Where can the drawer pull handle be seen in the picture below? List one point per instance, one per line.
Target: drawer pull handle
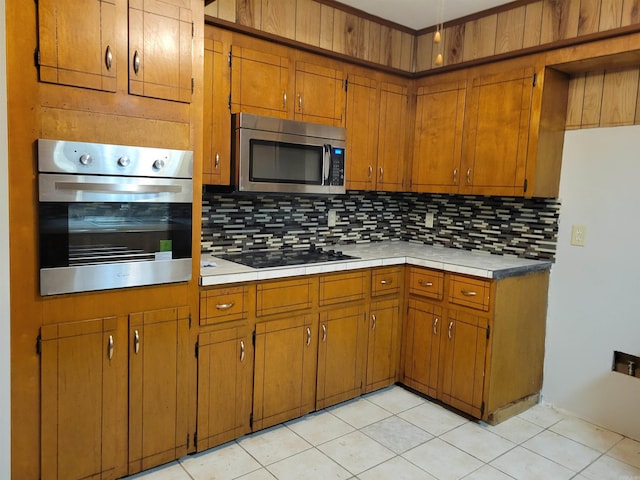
(455, 176)
(469, 176)
(284, 99)
(108, 58)
(225, 306)
(449, 330)
(373, 326)
(386, 282)
(435, 326)
(308, 336)
(425, 284)
(136, 342)
(300, 102)
(370, 171)
(381, 173)
(242, 350)
(324, 333)
(468, 293)
(217, 163)
(110, 347)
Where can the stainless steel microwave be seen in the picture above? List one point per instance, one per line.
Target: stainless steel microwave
(286, 156)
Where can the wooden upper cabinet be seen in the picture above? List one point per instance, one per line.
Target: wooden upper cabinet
(160, 49)
(159, 359)
(260, 83)
(83, 400)
(77, 43)
(392, 137)
(216, 167)
(362, 129)
(320, 94)
(438, 138)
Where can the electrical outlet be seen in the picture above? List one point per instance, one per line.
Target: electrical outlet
(428, 220)
(332, 217)
(578, 232)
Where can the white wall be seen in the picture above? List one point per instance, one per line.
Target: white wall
(5, 358)
(594, 297)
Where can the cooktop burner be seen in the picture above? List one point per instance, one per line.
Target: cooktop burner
(285, 257)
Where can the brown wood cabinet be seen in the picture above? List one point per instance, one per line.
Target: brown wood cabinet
(320, 94)
(225, 377)
(473, 343)
(285, 369)
(393, 135)
(83, 399)
(216, 160)
(160, 355)
(161, 68)
(260, 83)
(362, 128)
(77, 44)
(514, 133)
(438, 137)
(383, 349)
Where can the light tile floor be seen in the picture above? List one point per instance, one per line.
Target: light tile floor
(394, 434)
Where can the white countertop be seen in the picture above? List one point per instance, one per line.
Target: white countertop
(215, 271)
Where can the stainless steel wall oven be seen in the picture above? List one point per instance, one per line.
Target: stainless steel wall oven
(112, 216)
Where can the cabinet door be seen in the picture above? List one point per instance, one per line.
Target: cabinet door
(259, 83)
(216, 163)
(319, 94)
(285, 370)
(382, 353)
(496, 134)
(225, 373)
(160, 45)
(362, 128)
(77, 43)
(423, 326)
(463, 355)
(392, 135)
(438, 138)
(341, 355)
(159, 357)
(83, 400)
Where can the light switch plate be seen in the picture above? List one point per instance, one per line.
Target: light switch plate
(428, 220)
(332, 217)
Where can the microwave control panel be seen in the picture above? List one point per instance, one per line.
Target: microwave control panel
(337, 166)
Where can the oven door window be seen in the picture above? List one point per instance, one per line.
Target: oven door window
(279, 162)
(87, 233)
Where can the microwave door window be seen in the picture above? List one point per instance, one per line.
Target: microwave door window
(278, 162)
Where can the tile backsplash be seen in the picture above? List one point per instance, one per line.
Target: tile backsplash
(525, 228)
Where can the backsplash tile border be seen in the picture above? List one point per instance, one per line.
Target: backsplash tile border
(525, 228)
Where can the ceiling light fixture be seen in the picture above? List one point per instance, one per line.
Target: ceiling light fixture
(437, 36)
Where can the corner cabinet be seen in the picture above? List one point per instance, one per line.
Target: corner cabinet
(514, 133)
(476, 344)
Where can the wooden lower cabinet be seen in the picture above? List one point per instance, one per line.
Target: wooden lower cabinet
(382, 352)
(160, 354)
(423, 327)
(225, 376)
(83, 399)
(463, 353)
(285, 369)
(342, 346)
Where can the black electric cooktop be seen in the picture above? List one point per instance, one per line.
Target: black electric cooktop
(285, 257)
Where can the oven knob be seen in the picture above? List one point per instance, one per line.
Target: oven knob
(86, 159)
(124, 161)
(158, 164)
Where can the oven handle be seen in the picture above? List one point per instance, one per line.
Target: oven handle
(326, 164)
(117, 188)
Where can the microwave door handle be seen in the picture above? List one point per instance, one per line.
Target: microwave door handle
(326, 165)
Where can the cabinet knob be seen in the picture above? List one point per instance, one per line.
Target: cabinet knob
(86, 159)
(158, 164)
(124, 161)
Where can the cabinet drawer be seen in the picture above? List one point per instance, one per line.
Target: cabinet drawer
(223, 305)
(470, 292)
(385, 281)
(426, 283)
(284, 296)
(342, 287)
